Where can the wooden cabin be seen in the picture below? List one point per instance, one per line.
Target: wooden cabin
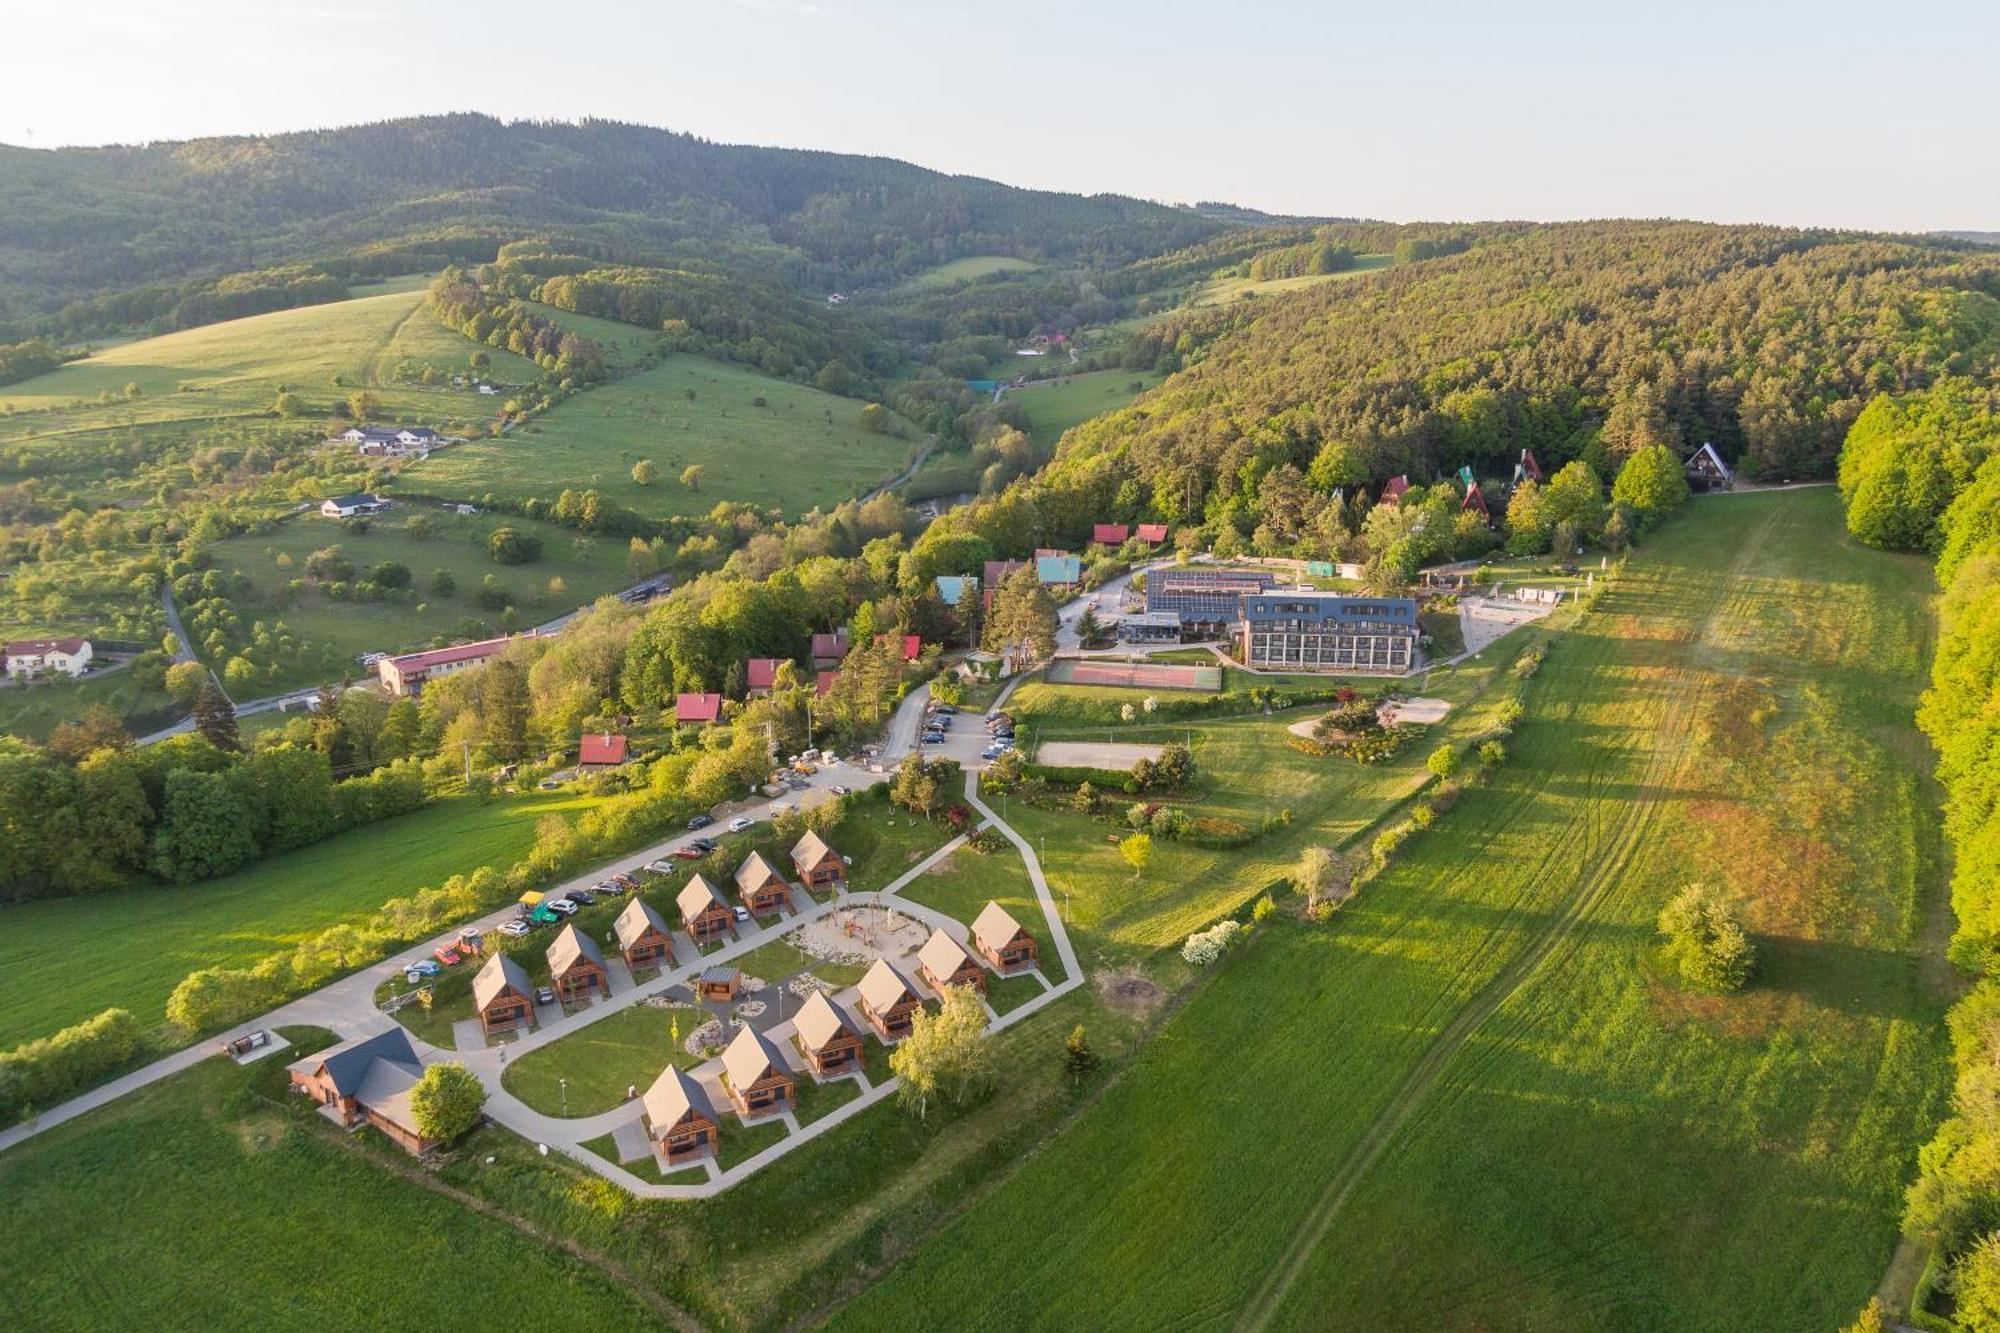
(680, 1119)
(718, 985)
(1001, 941)
(367, 1081)
(943, 961)
(643, 936)
(576, 966)
(502, 996)
(703, 910)
(888, 1000)
(817, 865)
(1707, 472)
(762, 889)
(759, 1081)
(827, 1037)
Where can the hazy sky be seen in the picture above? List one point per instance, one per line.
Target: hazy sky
(1806, 111)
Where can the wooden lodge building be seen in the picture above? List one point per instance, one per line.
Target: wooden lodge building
(1001, 941)
(643, 936)
(817, 865)
(760, 886)
(679, 1118)
(718, 984)
(703, 910)
(888, 1000)
(367, 1081)
(827, 1037)
(759, 1081)
(502, 996)
(576, 966)
(943, 961)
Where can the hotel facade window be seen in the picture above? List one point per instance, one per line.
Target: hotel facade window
(1329, 632)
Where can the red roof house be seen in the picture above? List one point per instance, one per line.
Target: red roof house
(829, 647)
(1395, 488)
(994, 574)
(1475, 501)
(913, 645)
(697, 709)
(1109, 534)
(823, 683)
(760, 675)
(604, 751)
(1152, 533)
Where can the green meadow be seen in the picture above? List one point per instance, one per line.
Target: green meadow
(1220, 291)
(968, 269)
(1053, 406)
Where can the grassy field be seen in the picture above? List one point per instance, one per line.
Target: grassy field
(962, 885)
(1053, 406)
(1217, 291)
(969, 268)
(128, 1198)
(1471, 1102)
(36, 710)
(588, 567)
(626, 342)
(627, 1049)
(63, 960)
(802, 448)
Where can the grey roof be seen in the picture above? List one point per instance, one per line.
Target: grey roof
(884, 986)
(721, 972)
(385, 1090)
(499, 973)
(347, 1064)
(994, 927)
(571, 945)
(820, 1020)
(750, 1057)
(672, 1096)
(696, 896)
(942, 954)
(755, 873)
(636, 920)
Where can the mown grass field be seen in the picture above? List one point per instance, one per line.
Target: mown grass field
(195, 1204)
(967, 269)
(627, 1049)
(63, 960)
(1471, 1102)
(1054, 406)
(1218, 291)
(802, 448)
(35, 711)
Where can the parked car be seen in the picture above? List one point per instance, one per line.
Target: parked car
(704, 845)
(470, 940)
(447, 954)
(742, 913)
(561, 906)
(544, 995)
(949, 710)
(545, 914)
(661, 867)
(423, 967)
(581, 897)
(516, 928)
(741, 822)
(929, 739)
(547, 784)
(688, 853)
(625, 881)
(838, 790)
(700, 821)
(941, 723)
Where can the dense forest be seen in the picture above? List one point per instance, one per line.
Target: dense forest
(76, 224)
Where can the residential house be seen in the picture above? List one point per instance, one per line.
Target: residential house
(679, 1118)
(1296, 630)
(828, 649)
(888, 1000)
(718, 984)
(943, 961)
(1060, 572)
(995, 573)
(912, 645)
(760, 676)
(348, 506)
(703, 910)
(1527, 469)
(576, 966)
(406, 675)
(755, 1073)
(1153, 534)
(367, 1081)
(38, 657)
(760, 886)
(953, 588)
(1109, 534)
(1474, 502)
(392, 441)
(606, 750)
(817, 865)
(1707, 472)
(502, 996)
(824, 682)
(1001, 941)
(1395, 488)
(827, 1037)
(697, 710)
(643, 936)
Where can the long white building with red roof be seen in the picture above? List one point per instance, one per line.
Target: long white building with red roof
(407, 674)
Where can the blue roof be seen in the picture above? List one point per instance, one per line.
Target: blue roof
(1330, 608)
(1059, 568)
(953, 587)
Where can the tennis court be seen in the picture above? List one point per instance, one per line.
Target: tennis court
(1135, 675)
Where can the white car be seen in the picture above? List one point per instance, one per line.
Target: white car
(741, 822)
(563, 906)
(515, 928)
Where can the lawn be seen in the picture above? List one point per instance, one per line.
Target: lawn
(1217, 291)
(1053, 406)
(625, 1049)
(740, 1142)
(801, 449)
(63, 960)
(36, 710)
(780, 960)
(816, 1100)
(962, 885)
(125, 1203)
(1475, 1103)
(967, 269)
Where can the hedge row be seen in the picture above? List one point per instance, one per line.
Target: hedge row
(49, 1069)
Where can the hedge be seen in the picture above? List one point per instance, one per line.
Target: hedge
(49, 1069)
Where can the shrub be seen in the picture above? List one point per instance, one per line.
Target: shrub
(49, 1069)
(1205, 946)
(1705, 942)
(1264, 910)
(1443, 761)
(1492, 754)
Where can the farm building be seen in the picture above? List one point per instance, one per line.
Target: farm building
(643, 936)
(406, 675)
(952, 588)
(1001, 941)
(576, 966)
(829, 648)
(827, 1036)
(759, 1081)
(888, 1000)
(502, 996)
(943, 961)
(703, 910)
(760, 675)
(1109, 534)
(1207, 601)
(760, 886)
(39, 657)
(367, 1081)
(816, 864)
(697, 710)
(1707, 472)
(1323, 631)
(679, 1118)
(718, 984)
(604, 750)
(349, 506)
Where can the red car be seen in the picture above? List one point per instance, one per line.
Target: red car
(686, 854)
(446, 954)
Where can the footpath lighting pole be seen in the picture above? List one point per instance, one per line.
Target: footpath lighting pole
(564, 1084)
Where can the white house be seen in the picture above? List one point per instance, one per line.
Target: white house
(347, 506)
(391, 441)
(38, 657)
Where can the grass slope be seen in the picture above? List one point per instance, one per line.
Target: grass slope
(803, 448)
(1053, 406)
(1219, 291)
(1471, 1103)
(956, 271)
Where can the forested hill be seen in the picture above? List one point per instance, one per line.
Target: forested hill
(1561, 338)
(78, 223)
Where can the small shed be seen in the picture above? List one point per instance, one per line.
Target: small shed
(817, 865)
(888, 1000)
(576, 966)
(718, 984)
(679, 1117)
(703, 910)
(643, 936)
(943, 961)
(502, 996)
(760, 886)
(754, 1071)
(827, 1037)
(1001, 941)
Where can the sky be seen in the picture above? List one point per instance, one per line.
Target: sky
(1822, 113)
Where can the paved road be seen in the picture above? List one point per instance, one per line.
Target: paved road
(182, 653)
(930, 443)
